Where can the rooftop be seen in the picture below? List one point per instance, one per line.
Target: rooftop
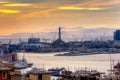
(38, 71)
(3, 66)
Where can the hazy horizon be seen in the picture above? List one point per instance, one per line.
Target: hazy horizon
(64, 29)
(76, 34)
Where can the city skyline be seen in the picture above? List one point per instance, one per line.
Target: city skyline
(42, 15)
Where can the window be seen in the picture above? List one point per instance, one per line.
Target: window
(4, 75)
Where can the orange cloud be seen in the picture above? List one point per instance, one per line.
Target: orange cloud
(17, 4)
(30, 15)
(96, 3)
(110, 3)
(78, 8)
(9, 11)
(4, 2)
(44, 13)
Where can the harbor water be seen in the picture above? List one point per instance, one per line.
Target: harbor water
(100, 62)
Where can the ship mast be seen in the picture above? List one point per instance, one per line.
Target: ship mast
(110, 64)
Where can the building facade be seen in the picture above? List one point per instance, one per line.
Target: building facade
(117, 35)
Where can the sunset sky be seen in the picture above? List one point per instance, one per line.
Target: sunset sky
(43, 15)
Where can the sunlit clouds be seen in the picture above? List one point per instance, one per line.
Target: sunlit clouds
(79, 8)
(2, 2)
(17, 4)
(10, 8)
(9, 11)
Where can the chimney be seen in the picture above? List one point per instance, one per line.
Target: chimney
(59, 34)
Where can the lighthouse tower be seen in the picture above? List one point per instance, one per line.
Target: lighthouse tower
(59, 33)
(58, 42)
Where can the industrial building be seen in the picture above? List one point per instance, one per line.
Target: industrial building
(117, 35)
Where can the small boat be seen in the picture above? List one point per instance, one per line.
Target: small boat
(35, 71)
(117, 66)
(22, 64)
(55, 71)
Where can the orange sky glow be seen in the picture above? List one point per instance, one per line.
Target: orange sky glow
(41, 15)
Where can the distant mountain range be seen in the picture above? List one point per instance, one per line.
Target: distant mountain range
(79, 34)
(75, 34)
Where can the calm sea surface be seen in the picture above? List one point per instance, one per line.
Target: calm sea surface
(99, 62)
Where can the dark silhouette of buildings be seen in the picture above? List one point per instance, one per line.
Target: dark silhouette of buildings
(117, 35)
(34, 40)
